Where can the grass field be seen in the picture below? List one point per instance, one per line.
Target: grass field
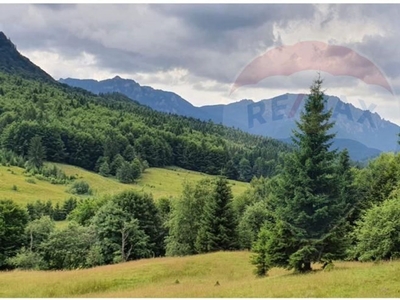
(197, 276)
(159, 182)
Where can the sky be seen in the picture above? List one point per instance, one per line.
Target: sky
(198, 51)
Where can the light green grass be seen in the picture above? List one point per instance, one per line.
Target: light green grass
(159, 182)
(28, 192)
(197, 276)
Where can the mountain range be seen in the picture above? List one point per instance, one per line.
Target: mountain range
(363, 133)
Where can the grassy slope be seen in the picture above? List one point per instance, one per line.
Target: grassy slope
(197, 276)
(159, 182)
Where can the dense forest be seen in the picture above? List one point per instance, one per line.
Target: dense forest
(82, 129)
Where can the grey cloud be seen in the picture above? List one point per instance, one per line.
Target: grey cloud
(221, 17)
(212, 41)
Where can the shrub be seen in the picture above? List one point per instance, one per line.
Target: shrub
(81, 188)
(30, 180)
(26, 260)
(377, 233)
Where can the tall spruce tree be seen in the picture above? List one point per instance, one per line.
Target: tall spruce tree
(218, 225)
(307, 201)
(36, 152)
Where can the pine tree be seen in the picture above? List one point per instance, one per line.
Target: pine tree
(104, 169)
(260, 258)
(245, 171)
(36, 152)
(309, 210)
(218, 226)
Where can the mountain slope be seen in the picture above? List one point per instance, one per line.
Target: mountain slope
(12, 62)
(156, 99)
(276, 118)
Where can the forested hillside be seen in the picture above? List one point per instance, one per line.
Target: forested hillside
(86, 130)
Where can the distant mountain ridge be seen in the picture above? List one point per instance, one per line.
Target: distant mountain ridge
(365, 134)
(159, 100)
(276, 118)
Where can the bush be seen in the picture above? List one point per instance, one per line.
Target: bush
(80, 188)
(9, 158)
(26, 260)
(30, 180)
(377, 233)
(54, 175)
(128, 173)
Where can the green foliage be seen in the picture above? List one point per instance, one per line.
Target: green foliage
(104, 169)
(38, 231)
(80, 188)
(30, 180)
(260, 258)
(141, 206)
(36, 153)
(129, 172)
(377, 233)
(13, 220)
(164, 207)
(39, 209)
(53, 174)
(69, 205)
(218, 223)
(310, 209)
(245, 172)
(251, 223)
(68, 248)
(185, 218)
(378, 180)
(10, 158)
(27, 260)
(116, 164)
(119, 234)
(129, 153)
(86, 209)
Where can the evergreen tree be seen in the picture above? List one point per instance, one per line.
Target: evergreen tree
(116, 164)
(309, 211)
(36, 152)
(245, 171)
(260, 257)
(104, 169)
(218, 226)
(129, 153)
(230, 170)
(13, 220)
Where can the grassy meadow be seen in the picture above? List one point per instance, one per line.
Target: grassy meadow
(197, 276)
(159, 182)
